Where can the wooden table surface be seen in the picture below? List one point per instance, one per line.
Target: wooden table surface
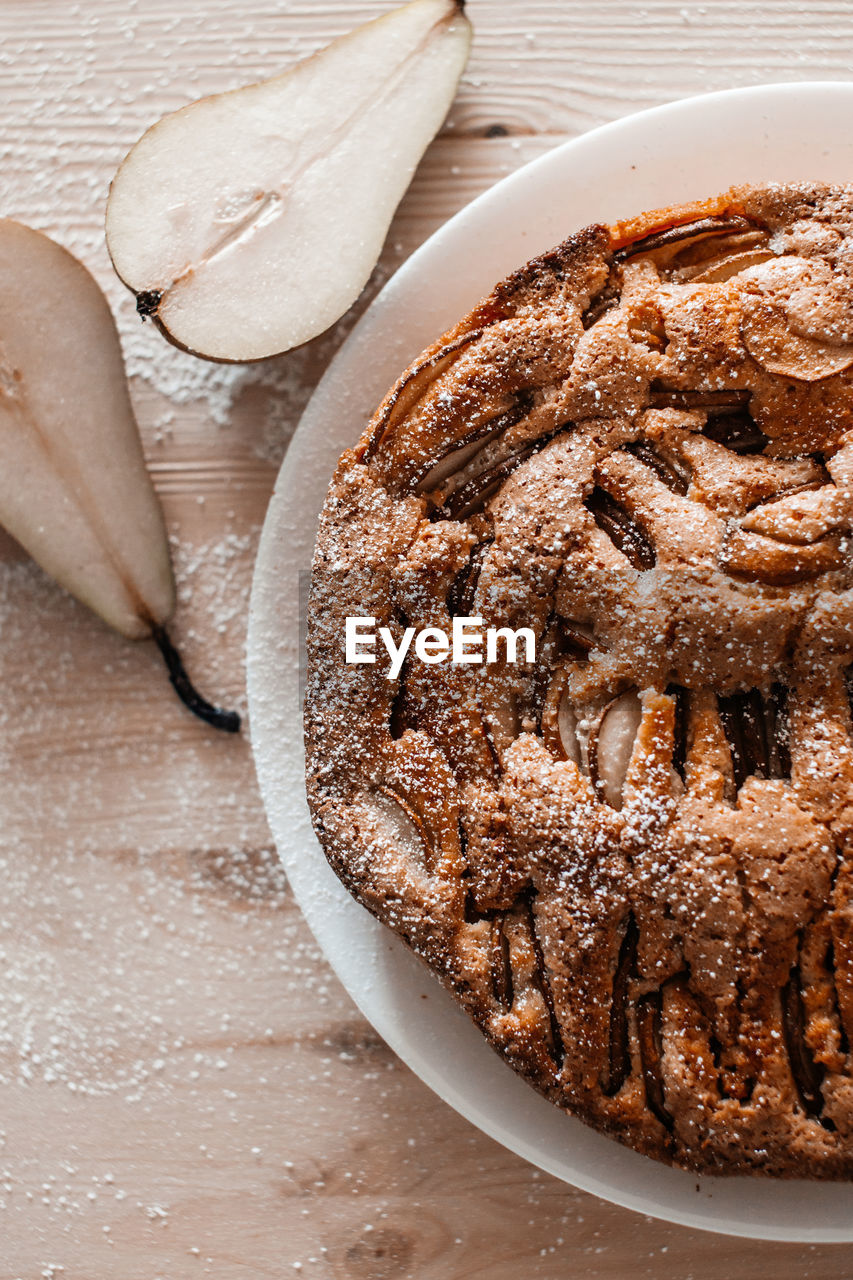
(185, 1089)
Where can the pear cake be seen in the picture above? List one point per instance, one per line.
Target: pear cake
(630, 858)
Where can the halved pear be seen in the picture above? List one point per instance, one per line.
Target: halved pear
(248, 222)
(74, 489)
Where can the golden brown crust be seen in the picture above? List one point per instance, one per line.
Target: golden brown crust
(632, 861)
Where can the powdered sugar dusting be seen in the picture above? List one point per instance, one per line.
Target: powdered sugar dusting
(648, 450)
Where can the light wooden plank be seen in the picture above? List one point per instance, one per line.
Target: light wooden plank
(187, 1091)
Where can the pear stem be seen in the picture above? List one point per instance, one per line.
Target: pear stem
(227, 721)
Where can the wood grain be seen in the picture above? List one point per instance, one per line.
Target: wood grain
(185, 1090)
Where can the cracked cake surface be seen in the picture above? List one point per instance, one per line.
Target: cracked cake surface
(632, 858)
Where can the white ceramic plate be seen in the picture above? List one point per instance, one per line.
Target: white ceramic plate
(679, 152)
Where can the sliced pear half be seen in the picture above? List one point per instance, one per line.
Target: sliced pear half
(74, 489)
(248, 222)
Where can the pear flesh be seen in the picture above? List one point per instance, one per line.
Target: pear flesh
(248, 222)
(74, 489)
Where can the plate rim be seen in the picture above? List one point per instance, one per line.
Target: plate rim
(260, 649)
